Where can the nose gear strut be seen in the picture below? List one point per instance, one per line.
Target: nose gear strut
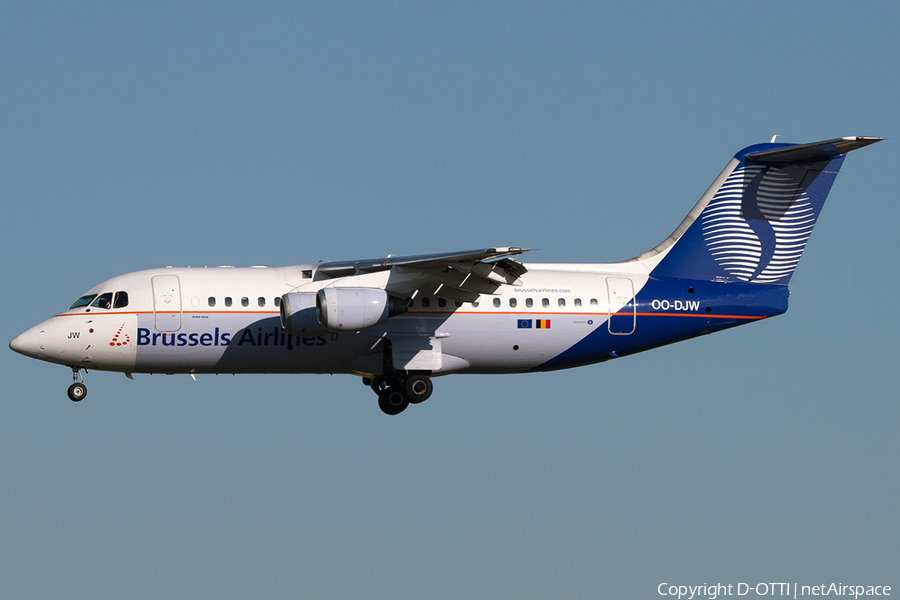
(77, 391)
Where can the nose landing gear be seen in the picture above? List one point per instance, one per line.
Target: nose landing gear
(77, 391)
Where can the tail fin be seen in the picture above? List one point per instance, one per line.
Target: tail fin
(754, 221)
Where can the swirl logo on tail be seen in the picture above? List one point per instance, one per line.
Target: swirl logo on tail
(758, 223)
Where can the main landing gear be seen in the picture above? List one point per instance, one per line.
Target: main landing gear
(77, 391)
(399, 390)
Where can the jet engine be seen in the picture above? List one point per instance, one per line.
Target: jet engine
(354, 309)
(337, 309)
(298, 314)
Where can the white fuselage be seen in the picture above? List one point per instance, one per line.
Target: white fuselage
(226, 320)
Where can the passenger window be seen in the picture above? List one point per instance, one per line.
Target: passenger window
(212, 301)
(245, 301)
(458, 304)
(475, 304)
(121, 300)
(278, 301)
(593, 302)
(496, 302)
(227, 300)
(562, 303)
(426, 302)
(577, 302)
(104, 300)
(261, 301)
(529, 302)
(83, 301)
(442, 302)
(545, 303)
(512, 302)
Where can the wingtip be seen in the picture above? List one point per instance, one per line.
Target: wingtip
(509, 250)
(867, 138)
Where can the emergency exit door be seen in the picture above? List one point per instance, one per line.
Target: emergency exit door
(621, 306)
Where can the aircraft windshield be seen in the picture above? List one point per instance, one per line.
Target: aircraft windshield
(83, 301)
(103, 301)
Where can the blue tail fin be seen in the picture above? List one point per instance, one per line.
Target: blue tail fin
(754, 221)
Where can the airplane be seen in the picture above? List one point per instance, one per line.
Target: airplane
(399, 321)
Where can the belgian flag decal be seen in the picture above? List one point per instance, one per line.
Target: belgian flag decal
(542, 323)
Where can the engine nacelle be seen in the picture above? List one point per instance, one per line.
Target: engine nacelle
(354, 309)
(298, 314)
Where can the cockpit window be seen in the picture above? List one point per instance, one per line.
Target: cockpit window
(83, 301)
(121, 300)
(104, 300)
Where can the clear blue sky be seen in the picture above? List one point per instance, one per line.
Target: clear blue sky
(188, 133)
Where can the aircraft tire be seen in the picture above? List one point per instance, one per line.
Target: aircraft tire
(392, 401)
(418, 388)
(77, 392)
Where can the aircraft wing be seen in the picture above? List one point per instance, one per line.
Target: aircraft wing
(445, 259)
(460, 276)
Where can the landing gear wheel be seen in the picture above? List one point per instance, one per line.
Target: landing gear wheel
(77, 392)
(418, 388)
(392, 401)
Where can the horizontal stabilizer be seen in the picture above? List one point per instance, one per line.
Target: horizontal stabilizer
(815, 152)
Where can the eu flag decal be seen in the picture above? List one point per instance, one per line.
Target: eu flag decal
(524, 323)
(542, 323)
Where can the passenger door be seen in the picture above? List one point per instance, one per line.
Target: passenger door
(166, 303)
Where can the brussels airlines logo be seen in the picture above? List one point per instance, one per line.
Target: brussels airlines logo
(148, 338)
(758, 223)
(243, 337)
(120, 339)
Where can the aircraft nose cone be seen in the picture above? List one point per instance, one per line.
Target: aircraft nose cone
(29, 342)
(16, 344)
(24, 343)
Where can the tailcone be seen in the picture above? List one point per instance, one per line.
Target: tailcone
(752, 300)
